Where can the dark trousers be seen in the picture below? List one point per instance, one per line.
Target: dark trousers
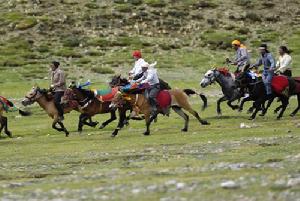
(287, 73)
(151, 94)
(57, 101)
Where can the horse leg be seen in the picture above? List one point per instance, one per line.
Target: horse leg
(233, 107)
(219, 103)
(80, 122)
(5, 125)
(121, 123)
(265, 110)
(63, 128)
(148, 123)
(1, 123)
(257, 106)
(297, 109)
(195, 114)
(55, 127)
(112, 118)
(179, 111)
(277, 109)
(92, 123)
(241, 107)
(285, 102)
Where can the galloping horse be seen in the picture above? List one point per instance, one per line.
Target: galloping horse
(178, 99)
(5, 105)
(117, 81)
(47, 103)
(94, 107)
(227, 83)
(259, 96)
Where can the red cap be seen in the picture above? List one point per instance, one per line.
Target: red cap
(137, 54)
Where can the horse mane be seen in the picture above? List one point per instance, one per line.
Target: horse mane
(224, 71)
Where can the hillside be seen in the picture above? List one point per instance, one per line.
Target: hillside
(92, 37)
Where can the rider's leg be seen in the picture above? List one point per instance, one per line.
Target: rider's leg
(57, 101)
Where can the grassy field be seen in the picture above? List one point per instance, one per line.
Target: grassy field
(261, 161)
(93, 40)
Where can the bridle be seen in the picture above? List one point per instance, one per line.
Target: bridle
(213, 78)
(32, 98)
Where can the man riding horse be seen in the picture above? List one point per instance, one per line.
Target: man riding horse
(150, 77)
(242, 58)
(58, 86)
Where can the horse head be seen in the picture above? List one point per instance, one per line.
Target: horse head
(34, 94)
(117, 80)
(209, 78)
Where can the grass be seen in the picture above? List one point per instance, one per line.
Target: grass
(41, 164)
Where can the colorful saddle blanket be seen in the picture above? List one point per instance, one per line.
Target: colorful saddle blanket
(6, 103)
(279, 83)
(106, 95)
(134, 88)
(164, 99)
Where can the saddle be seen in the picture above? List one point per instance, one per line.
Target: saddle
(106, 95)
(164, 99)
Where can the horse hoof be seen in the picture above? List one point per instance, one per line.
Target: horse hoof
(95, 124)
(184, 130)
(102, 126)
(251, 118)
(235, 107)
(278, 118)
(240, 110)
(147, 133)
(292, 115)
(8, 133)
(205, 122)
(67, 134)
(262, 115)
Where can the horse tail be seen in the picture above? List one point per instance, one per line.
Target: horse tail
(24, 113)
(190, 92)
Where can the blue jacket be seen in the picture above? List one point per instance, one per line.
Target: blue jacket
(268, 61)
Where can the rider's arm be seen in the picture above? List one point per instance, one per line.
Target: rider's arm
(150, 76)
(244, 55)
(258, 63)
(272, 61)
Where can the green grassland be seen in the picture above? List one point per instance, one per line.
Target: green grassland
(93, 40)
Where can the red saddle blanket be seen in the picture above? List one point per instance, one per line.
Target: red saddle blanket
(279, 83)
(108, 97)
(164, 99)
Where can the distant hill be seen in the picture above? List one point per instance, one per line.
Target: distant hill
(100, 34)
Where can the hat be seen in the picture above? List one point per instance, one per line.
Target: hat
(137, 54)
(145, 65)
(236, 42)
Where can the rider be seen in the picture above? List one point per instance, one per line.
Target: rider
(58, 86)
(137, 72)
(242, 56)
(267, 60)
(284, 61)
(150, 77)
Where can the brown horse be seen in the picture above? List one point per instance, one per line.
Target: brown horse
(47, 103)
(179, 102)
(94, 107)
(3, 119)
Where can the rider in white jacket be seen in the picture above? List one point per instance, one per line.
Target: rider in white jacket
(137, 72)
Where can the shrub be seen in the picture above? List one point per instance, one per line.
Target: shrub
(155, 3)
(102, 70)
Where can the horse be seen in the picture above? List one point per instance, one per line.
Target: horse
(294, 90)
(257, 93)
(228, 85)
(178, 101)
(5, 106)
(47, 103)
(118, 81)
(94, 107)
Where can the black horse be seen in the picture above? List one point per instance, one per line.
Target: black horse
(257, 93)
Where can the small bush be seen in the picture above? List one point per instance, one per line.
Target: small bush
(68, 53)
(71, 41)
(155, 3)
(254, 17)
(26, 23)
(92, 5)
(102, 70)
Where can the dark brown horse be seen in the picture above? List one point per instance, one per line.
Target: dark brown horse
(94, 107)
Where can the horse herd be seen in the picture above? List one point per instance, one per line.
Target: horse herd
(137, 103)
